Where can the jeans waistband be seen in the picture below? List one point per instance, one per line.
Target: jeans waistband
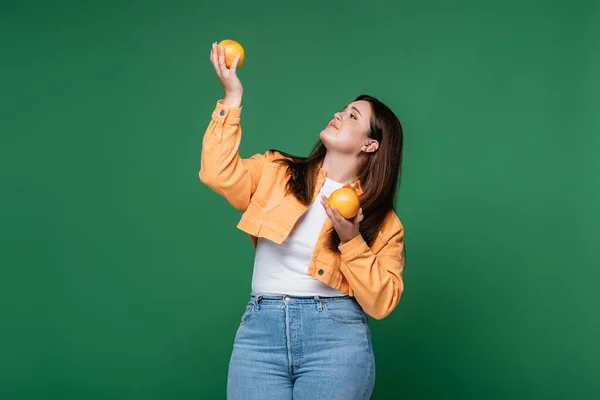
(260, 298)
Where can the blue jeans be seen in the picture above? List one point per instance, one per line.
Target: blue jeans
(302, 348)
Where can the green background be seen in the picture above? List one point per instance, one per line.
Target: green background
(123, 277)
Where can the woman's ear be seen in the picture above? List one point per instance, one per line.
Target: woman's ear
(370, 146)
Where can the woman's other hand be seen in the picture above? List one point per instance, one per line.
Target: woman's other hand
(347, 229)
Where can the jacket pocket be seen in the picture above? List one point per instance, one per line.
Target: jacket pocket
(379, 242)
(270, 191)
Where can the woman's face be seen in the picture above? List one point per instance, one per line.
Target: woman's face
(347, 132)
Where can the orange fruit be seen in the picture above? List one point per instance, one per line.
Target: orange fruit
(232, 48)
(346, 201)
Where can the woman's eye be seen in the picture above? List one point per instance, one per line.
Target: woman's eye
(352, 116)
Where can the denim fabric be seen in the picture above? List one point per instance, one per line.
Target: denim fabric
(302, 348)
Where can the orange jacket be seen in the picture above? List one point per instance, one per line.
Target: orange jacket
(256, 187)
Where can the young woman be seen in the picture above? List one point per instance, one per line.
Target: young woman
(317, 276)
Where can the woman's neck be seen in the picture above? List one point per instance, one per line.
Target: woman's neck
(340, 167)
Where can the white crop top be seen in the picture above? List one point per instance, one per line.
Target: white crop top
(281, 269)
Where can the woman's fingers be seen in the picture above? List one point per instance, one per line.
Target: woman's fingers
(222, 66)
(359, 217)
(328, 210)
(214, 59)
(234, 64)
(336, 214)
(332, 212)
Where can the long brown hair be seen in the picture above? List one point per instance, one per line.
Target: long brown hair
(379, 176)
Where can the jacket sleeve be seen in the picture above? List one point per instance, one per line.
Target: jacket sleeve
(221, 167)
(376, 279)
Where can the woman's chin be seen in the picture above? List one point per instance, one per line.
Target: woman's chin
(326, 137)
(323, 136)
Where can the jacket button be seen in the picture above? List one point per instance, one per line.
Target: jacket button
(320, 272)
(222, 112)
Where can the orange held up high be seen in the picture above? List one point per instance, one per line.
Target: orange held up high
(232, 48)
